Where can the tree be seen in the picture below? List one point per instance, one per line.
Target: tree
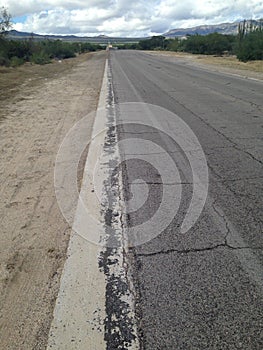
(250, 41)
(156, 42)
(251, 47)
(5, 21)
(173, 44)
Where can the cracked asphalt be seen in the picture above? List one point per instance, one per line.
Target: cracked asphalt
(201, 289)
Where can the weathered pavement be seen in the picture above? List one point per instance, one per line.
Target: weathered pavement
(201, 289)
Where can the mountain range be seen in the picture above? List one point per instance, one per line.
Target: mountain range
(223, 28)
(100, 39)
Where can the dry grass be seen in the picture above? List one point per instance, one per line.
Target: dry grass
(13, 79)
(227, 61)
(232, 62)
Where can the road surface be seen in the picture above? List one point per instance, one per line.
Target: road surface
(201, 289)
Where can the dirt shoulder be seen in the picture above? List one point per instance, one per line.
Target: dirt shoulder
(38, 106)
(228, 64)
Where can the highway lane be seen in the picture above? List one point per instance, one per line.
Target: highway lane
(201, 289)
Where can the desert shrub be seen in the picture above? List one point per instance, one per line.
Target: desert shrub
(211, 44)
(40, 58)
(173, 44)
(15, 52)
(4, 61)
(88, 47)
(156, 42)
(128, 46)
(57, 49)
(250, 47)
(16, 61)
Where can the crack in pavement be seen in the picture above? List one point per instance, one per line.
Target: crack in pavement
(228, 231)
(196, 250)
(224, 244)
(235, 145)
(159, 183)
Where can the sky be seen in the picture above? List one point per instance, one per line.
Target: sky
(127, 18)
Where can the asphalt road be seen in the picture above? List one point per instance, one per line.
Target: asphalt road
(201, 289)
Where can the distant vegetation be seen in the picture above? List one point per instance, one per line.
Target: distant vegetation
(246, 45)
(14, 52)
(249, 42)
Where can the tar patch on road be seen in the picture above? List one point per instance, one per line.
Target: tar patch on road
(119, 322)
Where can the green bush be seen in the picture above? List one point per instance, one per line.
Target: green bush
(16, 61)
(173, 44)
(20, 49)
(40, 52)
(40, 58)
(251, 46)
(4, 61)
(128, 46)
(58, 49)
(211, 44)
(156, 42)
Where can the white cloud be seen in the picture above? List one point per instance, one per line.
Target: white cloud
(126, 17)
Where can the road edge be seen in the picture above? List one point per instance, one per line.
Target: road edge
(93, 310)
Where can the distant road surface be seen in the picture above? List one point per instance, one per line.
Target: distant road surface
(201, 289)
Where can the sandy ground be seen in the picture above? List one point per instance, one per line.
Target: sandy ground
(227, 64)
(38, 105)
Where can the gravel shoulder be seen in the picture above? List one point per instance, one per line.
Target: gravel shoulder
(38, 106)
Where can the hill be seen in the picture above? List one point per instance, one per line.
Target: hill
(100, 39)
(223, 28)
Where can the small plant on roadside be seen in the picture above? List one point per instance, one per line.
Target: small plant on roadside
(4, 61)
(16, 61)
(40, 58)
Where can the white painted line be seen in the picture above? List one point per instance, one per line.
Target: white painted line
(80, 307)
(85, 315)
